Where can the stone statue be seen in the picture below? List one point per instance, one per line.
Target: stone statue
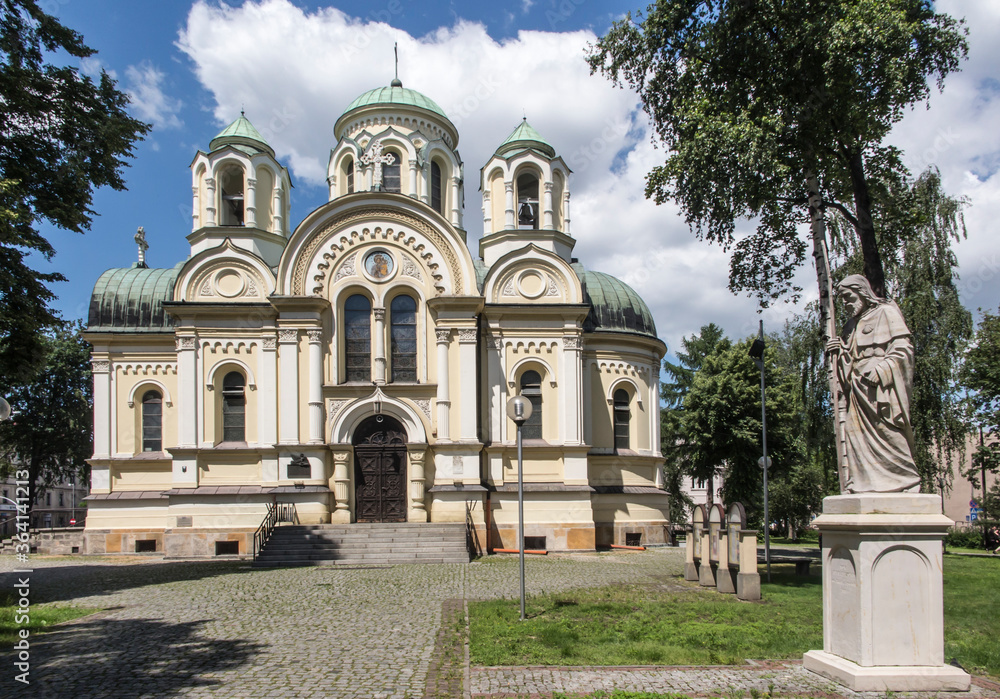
(874, 366)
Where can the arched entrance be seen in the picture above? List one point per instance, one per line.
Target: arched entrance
(380, 470)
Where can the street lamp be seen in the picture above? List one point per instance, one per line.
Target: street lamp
(4, 410)
(519, 410)
(757, 352)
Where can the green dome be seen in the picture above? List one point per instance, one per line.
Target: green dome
(614, 306)
(523, 137)
(396, 94)
(131, 300)
(241, 133)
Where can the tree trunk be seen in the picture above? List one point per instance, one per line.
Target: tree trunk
(866, 229)
(827, 318)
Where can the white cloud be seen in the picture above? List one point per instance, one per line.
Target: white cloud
(149, 101)
(526, 5)
(296, 72)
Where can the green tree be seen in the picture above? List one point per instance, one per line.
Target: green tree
(63, 135)
(753, 97)
(51, 435)
(721, 423)
(980, 374)
(672, 392)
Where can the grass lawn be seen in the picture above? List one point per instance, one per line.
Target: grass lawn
(678, 623)
(42, 618)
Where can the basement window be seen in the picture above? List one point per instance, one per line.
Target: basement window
(227, 548)
(633, 539)
(145, 546)
(534, 543)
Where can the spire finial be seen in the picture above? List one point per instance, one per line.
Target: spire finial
(396, 82)
(140, 240)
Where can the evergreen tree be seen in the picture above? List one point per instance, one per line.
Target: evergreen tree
(63, 135)
(51, 436)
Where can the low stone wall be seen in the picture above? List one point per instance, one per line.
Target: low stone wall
(171, 543)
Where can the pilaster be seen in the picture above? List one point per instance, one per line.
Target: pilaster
(340, 485)
(443, 401)
(467, 383)
(379, 314)
(418, 490)
(315, 386)
(288, 386)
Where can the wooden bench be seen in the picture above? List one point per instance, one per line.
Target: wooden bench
(801, 564)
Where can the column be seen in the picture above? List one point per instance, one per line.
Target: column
(340, 486)
(288, 386)
(210, 204)
(195, 209)
(379, 345)
(267, 404)
(565, 224)
(652, 407)
(425, 184)
(487, 213)
(413, 179)
(443, 396)
(571, 379)
(588, 379)
(277, 210)
(331, 183)
(467, 382)
(102, 408)
(497, 387)
(508, 213)
(250, 208)
(315, 386)
(267, 383)
(456, 215)
(187, 392)
(418, 489)
(547, 207)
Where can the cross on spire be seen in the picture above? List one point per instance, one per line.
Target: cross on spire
(140, 240)
(374, 156)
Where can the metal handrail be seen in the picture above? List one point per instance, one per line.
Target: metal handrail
(276, 512)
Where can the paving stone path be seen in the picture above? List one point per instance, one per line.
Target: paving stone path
(222, 629)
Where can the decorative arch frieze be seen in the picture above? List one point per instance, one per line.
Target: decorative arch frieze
(147, 384)
(146, 368)
(337, 239)
(227, 273)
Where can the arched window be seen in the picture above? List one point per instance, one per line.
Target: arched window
(349, 170)
(358, 334)
(390, 174)
(234, 408)
(403, 338)
(436, 202)
(152, 421)
(231, 190)
(531, 388)
(622, 417)
(527, 202)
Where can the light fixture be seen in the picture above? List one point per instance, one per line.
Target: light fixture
(4, 410)
(519, 410)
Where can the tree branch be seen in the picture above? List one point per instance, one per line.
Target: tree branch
(845, 212)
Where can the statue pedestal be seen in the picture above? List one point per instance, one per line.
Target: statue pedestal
(883, 621)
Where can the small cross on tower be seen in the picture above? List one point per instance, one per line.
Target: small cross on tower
(140, 240)
(375, 156)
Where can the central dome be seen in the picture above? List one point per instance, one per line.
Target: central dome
(396, 94)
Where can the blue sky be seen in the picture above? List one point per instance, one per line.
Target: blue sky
(294, 67)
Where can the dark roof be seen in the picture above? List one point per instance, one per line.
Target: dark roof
(614, 305)
(131, 300)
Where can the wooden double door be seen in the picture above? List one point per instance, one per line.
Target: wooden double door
(380, 470)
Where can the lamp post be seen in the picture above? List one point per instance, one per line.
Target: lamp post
(519, 410)
(757, 352)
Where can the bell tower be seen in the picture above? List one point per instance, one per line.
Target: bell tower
(525, 197)
(241, 192)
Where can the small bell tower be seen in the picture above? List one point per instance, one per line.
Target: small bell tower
(525, 197)
(241, 192)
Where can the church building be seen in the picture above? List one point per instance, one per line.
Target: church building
(358, 366)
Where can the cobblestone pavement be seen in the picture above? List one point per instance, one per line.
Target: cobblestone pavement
(222, 629)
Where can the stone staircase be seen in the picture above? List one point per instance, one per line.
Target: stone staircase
(365, 544)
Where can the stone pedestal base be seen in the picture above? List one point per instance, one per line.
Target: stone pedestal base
(748, 586)
(690, 571)
(911, 678)
(883, 620)
(725, 580)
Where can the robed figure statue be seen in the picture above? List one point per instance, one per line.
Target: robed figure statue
(874, 366)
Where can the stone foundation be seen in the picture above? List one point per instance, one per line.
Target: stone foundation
(171, 543)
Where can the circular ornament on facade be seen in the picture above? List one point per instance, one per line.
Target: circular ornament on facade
(379, 265)
(229, 283)
(531, 284)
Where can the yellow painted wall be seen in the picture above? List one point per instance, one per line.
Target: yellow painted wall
(141, 475)
(213, 398)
